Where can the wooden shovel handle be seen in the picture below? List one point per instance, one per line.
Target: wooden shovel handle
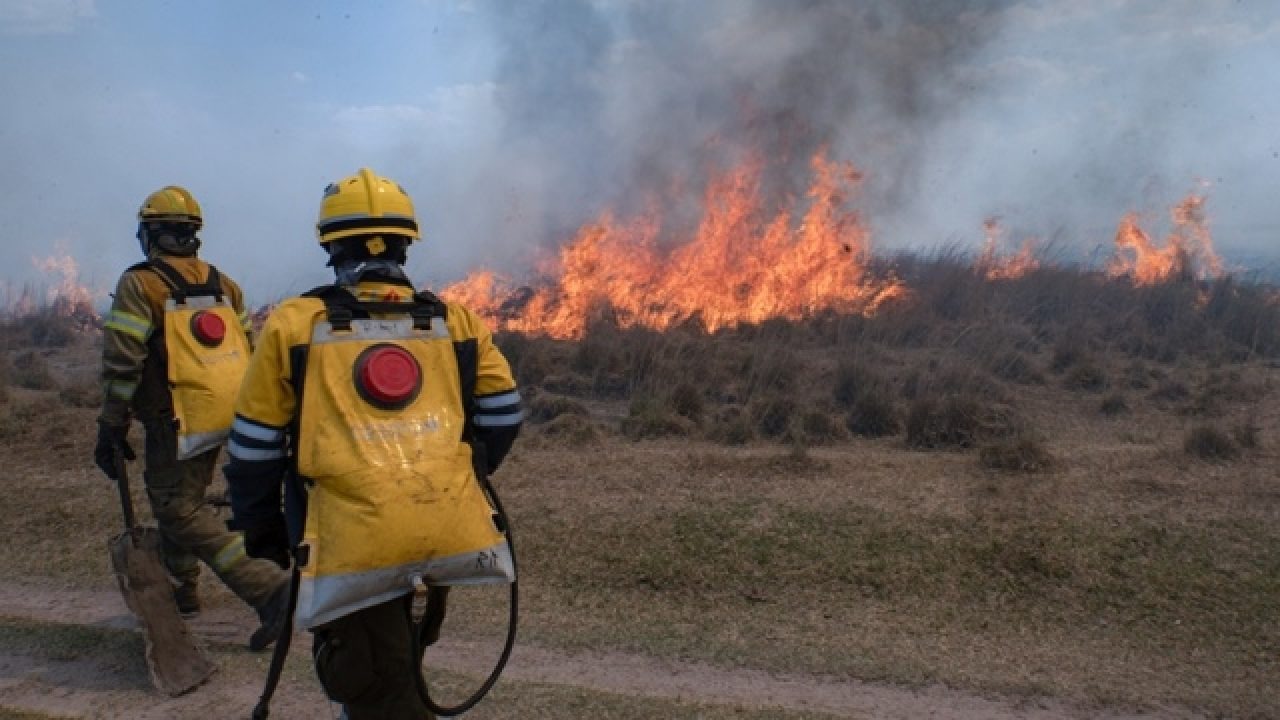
(126, 499)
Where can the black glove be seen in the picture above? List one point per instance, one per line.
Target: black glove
(112, 439)
(268, 540)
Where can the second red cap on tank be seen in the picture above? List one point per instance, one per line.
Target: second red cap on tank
(208, 328)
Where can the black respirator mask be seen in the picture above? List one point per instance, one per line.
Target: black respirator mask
(173, 238)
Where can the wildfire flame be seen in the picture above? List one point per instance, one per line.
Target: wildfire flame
(740, 265)
(993, 267)
(65, 296)
(1187, 252)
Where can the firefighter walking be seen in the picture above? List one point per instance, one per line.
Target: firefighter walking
(367, 413)
(175, 345)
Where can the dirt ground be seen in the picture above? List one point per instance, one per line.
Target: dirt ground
(101, 684)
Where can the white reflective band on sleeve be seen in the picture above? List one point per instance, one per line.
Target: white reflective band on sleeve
(192, 445)
(499, 420)
(256, 431)
(239, 452)
(497, 401)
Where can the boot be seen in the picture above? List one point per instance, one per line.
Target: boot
(187, 598)
(273, 616)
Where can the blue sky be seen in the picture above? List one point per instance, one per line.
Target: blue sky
(512, 123)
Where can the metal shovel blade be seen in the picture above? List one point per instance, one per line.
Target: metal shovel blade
(177, 665)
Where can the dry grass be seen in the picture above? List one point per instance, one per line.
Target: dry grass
(1210, 443)
(699, 496)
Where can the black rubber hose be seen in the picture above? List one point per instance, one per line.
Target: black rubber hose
(419, 649)
(263, 708)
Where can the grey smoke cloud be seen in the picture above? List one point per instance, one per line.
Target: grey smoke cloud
(1057, 117)
(512, 124)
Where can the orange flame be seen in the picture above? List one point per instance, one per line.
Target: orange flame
(993, 267)
(740, 265)
(1187, 253)
(65, 296)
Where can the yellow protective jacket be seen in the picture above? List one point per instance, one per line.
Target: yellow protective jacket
(135, 377)
(382, 459)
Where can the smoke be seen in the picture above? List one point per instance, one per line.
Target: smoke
(616, 105)
(1058, 117)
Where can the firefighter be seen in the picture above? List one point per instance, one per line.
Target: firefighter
(367, 413)
(175, 345)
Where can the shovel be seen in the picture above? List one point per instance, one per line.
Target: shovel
(177, 665)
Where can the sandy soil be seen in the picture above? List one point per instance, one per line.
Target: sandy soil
(103, 687)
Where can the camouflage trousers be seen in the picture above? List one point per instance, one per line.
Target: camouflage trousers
(367, 662)
(191, 532)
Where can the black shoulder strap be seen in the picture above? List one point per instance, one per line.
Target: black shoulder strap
(341, 307)
(179, 288)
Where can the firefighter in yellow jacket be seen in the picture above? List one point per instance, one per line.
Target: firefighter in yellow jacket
(368, 412)
(175, 345)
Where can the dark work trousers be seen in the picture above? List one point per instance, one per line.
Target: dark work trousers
(366, 661)
(188, 526)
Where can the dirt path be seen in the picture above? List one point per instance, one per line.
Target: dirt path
(104, 687)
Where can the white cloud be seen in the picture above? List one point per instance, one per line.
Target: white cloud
(43, 17)
(451, 107)
(299, 77)
(376, 120)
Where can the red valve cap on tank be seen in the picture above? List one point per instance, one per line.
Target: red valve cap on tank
(388, 376)
(208, 328)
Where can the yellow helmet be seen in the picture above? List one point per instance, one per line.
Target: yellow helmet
(365, 204)
(171, 204)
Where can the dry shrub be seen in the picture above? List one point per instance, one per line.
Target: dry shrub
(1024, 454)
(1016, 367)
(956, 421)
(1138, 376)
(730, 425)
(817, 427)
(81, 394)
(1114, 404)
(599, 350)
(51, 329)
(874, 414)
(568, 384)
(1247, 435)
(686, 401)
(1085, 375)
(771, 370)
(1205, 403)
(868, 399)
(1065, 354)
(648, 418)
(1210, 443)
(546, 407)
(31, 371)
(773, 416)
(1170, 390)
(572, 429)
(532, 359)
